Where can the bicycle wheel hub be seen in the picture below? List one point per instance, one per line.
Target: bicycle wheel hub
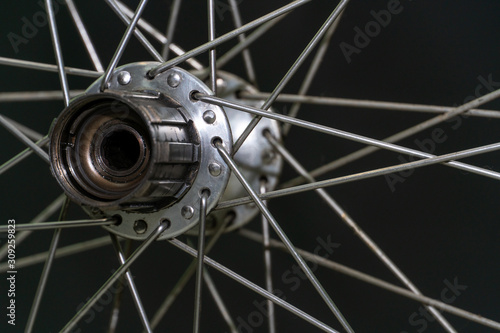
(142, 151)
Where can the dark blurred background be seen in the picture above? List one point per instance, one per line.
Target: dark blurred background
(439, 225)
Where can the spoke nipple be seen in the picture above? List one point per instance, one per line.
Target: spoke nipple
(215, 169)
(174, 79)
(124, 78)
(187, 212)
(209, 117)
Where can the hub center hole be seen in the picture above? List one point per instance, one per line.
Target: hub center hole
(120, 150)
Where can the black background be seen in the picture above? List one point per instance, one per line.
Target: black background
(440, 224)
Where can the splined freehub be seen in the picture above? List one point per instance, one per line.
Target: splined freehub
(142, 151)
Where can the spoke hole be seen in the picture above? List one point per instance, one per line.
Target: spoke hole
(118, 219)
(192, 95)
(216, 141)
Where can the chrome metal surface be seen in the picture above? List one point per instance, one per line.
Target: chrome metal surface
(141, 151)
(256, 157)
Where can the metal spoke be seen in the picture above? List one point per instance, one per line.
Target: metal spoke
(184, 279)
(30, 133)
(57, 50)
(252, 286)
(123, 44)
(199, 264)
(118, 9)
(61, 252)
(346, 135)
(117, 298)
(406, 133)
(292, 71)
(116, 275)
(36, 96)
(346, 218)
(364, 175)
(42, 216)
(219, 302)
(131, 285)
(284, 238)
(22, 155)
(211, 54)
(154, 33)
(243, 45)
(172, 23)
(267, 266)
(376, 282)
(61, 224)
(48, 67)
(247, 58)
(75, 15)
(46, 271)
(23, 138)
(226, 37)
(313, 69)
(365, 104)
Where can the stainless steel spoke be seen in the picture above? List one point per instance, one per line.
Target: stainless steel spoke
(116, 275)
(156, 34)
(363, 175)
(46, 271)
(247, 58)
(291, 72)
(219, 302)
(123, 44)
(243, 45)
(376, 282)
(406, 133)
(75, 15)
(228, 36)
(48, 67)
(118, 9)
(199, 263)
(268, 266)
(117, 298)
(22, 155)
(131, 285)
(252, 286)
(284, 238)
(23, 138)
(36, 96)
(313, 69)
(61, 224)
(61, 252)
(366, 104)
(184, 279)
(57, 50)
(211, 54)
(347, 219)
(30, 133)
(346, 135)
(42, 216)
(172, 23)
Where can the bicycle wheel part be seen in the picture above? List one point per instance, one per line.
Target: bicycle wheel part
(136, 144)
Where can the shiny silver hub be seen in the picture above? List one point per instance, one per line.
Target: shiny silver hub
(142, 150)
(256, 158)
